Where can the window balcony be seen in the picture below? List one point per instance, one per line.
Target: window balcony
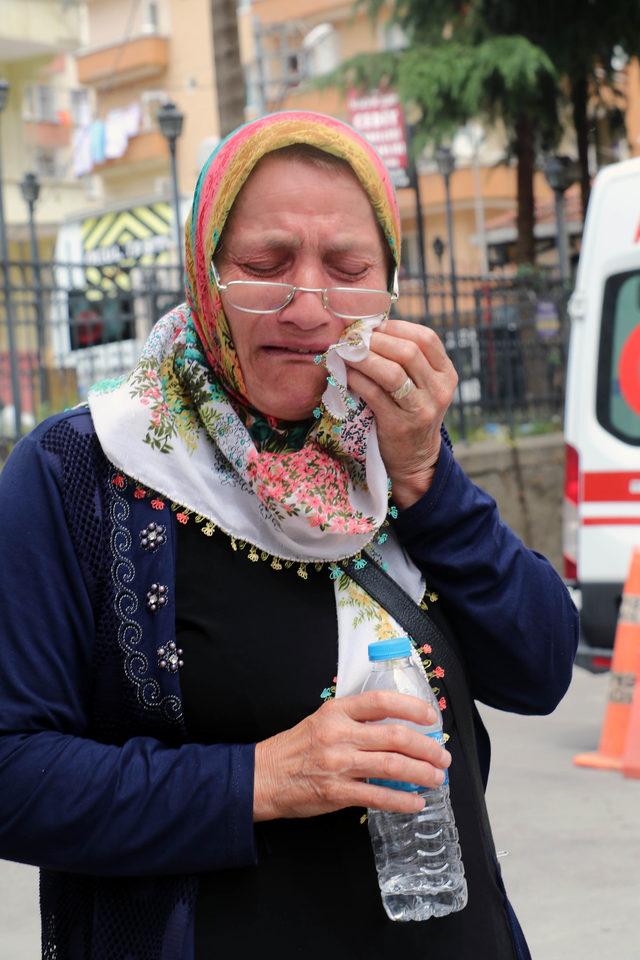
(124, 63)
(148, 147)
(49, 136)
(35, 28)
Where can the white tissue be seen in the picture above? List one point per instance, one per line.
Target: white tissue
(353, 345)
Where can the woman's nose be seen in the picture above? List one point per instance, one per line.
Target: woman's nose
(306, 309)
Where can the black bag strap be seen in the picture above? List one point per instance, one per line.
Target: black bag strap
(489, 907)
(420, 626)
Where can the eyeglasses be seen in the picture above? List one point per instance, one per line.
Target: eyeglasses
(347, 303)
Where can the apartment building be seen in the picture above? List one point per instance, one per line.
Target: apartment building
(45, 104)
(136, 57)
(87, 80)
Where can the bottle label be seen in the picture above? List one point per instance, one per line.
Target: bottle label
(412, 787)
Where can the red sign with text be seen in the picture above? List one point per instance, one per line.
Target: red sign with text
(378, 116)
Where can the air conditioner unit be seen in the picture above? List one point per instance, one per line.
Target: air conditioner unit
(321, 48)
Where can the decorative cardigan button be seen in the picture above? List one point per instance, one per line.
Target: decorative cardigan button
(153, 536)
(157, 597)
(169, 657)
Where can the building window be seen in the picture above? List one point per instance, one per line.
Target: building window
(40, 103)
(151, 17)
(292, 69)
(280, 60)
(391, 37)
(46, 163)
(80, 107)
(60, 105)
(617, 361)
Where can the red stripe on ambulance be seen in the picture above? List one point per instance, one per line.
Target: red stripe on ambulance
(610, 487)
(609, 521)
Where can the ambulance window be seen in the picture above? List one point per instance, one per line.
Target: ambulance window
(618, 394)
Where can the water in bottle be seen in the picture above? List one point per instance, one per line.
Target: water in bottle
(417, 855)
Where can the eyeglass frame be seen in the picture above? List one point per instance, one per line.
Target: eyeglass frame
(223, 287)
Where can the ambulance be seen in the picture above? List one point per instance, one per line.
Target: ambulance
(601, 522)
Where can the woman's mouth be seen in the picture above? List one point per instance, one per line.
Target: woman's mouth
(295, 351)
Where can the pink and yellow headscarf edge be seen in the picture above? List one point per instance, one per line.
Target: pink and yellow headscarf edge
(218, 186)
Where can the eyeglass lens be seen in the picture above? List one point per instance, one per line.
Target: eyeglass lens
(343, 301)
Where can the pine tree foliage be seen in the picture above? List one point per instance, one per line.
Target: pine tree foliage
(451, 82)
(425, 21)
(511, 60)
(581, 38)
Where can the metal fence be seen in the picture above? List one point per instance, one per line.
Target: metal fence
(507, 337)
(63, 326)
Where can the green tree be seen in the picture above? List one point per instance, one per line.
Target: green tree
(580, 37)
(453, 70)
(516, 61)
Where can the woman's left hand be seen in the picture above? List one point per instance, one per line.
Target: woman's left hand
(408, 428)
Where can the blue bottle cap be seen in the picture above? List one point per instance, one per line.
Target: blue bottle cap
(390, 649)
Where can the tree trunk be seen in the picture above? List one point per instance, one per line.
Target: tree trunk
(227, 66)
(579, 91)
(525, 245)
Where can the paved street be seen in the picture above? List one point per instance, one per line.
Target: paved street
(573, 835)
(573, 838)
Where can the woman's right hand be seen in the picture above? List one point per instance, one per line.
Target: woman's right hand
(322, 763)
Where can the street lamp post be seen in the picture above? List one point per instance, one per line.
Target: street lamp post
(30, 188)
(560, 174)
(414, 179)
(6, 284)
(445, 162)
(171, 120)
(439, 247)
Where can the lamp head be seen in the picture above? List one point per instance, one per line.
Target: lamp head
(438, 247)
(170, 120)
(560, 172)
(4, 93)
(445, 161)
(30, 188)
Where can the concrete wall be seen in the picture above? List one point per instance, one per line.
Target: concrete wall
(526, 481)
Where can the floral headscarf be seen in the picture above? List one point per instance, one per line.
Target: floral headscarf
(180, 423)
(219, 183)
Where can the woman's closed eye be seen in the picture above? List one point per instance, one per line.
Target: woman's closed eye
(281, 274)
(346, 277)
(347, 271)
(262, 271)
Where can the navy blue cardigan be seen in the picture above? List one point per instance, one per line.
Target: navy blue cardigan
(99, 785)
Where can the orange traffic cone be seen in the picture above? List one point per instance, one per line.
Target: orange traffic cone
(624, 667)
(631, 755)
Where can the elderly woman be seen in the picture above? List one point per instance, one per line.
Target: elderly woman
(185, 752)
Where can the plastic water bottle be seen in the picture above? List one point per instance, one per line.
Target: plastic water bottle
(417, 855)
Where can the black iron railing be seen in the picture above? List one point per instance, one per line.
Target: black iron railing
(63, 326)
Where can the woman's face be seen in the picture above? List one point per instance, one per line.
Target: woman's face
(294, 222)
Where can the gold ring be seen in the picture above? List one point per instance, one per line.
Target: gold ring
(403, 391)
